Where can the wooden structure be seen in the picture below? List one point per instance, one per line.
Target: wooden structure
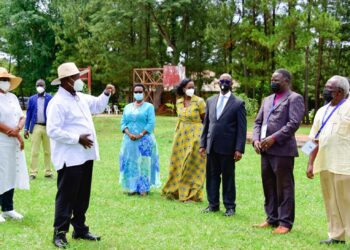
(151, 78)
(167, 77)
(87, 77)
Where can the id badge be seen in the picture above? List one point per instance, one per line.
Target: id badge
(308, 147)
(263, 132)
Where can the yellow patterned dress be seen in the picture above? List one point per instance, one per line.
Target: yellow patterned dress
(187, 167)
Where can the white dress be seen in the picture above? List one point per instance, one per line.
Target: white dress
(13, 167)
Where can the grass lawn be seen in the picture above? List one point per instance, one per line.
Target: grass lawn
(153, 222)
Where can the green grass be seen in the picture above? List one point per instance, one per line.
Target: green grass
(153, 222)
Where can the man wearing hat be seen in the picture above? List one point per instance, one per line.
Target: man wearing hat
(13, 168)
(36, 125)
(74, 147)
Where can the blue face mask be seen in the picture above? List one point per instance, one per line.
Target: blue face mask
(138, 96)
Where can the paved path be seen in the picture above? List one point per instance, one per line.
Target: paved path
(301, 139)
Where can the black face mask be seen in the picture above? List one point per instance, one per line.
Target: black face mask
(275, 87)
(225, 85)
(327, 95)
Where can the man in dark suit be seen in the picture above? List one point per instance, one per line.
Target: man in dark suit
(223, 140)
(278, 119)
(36, 125)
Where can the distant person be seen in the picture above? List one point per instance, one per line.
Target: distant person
(74, 149)
(223, 141)
(139, 159)
(278, 119)
(331, 159)
(187, 167)
(13, 168)
(36, 125)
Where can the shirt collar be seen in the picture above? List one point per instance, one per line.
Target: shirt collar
(227, 95)
(65, 93)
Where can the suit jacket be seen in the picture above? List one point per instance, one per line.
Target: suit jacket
(33, 109)
(228, 133)
(284, 121)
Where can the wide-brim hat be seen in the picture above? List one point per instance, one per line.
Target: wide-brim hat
(14, 80)
(65, 70)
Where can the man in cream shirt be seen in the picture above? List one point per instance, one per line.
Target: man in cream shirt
(73, 149)
(331, 133)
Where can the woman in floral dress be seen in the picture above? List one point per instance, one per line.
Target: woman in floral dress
(139, 160)
(187, 167)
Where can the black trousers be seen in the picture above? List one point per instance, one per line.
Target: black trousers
(72, 198)
(278, 185)
(6, 200)
(221, 167)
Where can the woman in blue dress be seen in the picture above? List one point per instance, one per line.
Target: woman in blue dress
(139, 160)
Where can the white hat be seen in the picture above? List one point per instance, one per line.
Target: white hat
(65, 70)
(14, 80)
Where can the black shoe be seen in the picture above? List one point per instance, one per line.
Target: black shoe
(229, 212)
(332, 241)
(210, 210)
(60, 240)
(87, 236)
(32, 177)
(49, 176)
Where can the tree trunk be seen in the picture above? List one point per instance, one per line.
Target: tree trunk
(319, 73)
(307, 66)
(306, 86)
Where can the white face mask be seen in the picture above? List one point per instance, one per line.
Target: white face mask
(40, 89)
(78, 85)
(5, 86)
(189, 92)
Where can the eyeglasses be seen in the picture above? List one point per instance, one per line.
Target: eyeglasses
(225, 81)
(138, 92)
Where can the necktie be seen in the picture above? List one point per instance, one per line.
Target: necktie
(220, 106)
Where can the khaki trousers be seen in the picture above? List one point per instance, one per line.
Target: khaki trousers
(336, 196)
(39, 136)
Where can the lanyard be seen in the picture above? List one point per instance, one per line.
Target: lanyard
(274, 106)
(270, 112)
(325, 121)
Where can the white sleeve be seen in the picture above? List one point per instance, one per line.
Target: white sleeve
(54, 123)
(97, 104)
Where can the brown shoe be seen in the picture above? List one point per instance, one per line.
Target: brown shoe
(281, 230)
(265, 224)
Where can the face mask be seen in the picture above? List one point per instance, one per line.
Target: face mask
(78, 85)
(5, 86)
(275, 87)
(189, 92)
(225, 85)
(138, 96)
(40, 89)
(327, 95)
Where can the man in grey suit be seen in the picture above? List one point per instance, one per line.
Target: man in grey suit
(278, 119)
(223, 140)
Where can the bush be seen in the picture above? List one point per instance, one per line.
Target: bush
(251, 105)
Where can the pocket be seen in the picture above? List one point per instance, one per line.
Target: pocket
(344, 127)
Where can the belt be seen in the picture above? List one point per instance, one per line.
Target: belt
(41, 124)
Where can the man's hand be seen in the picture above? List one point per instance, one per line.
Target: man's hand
(21, 142)
(110, 89)
(26, 134)
(14, 132)
(257, 146)
(309, 171)
(202, 152)
(267, 143)
(237, 156)
(85, 141)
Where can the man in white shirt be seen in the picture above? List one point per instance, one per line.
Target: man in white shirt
(73, 149)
